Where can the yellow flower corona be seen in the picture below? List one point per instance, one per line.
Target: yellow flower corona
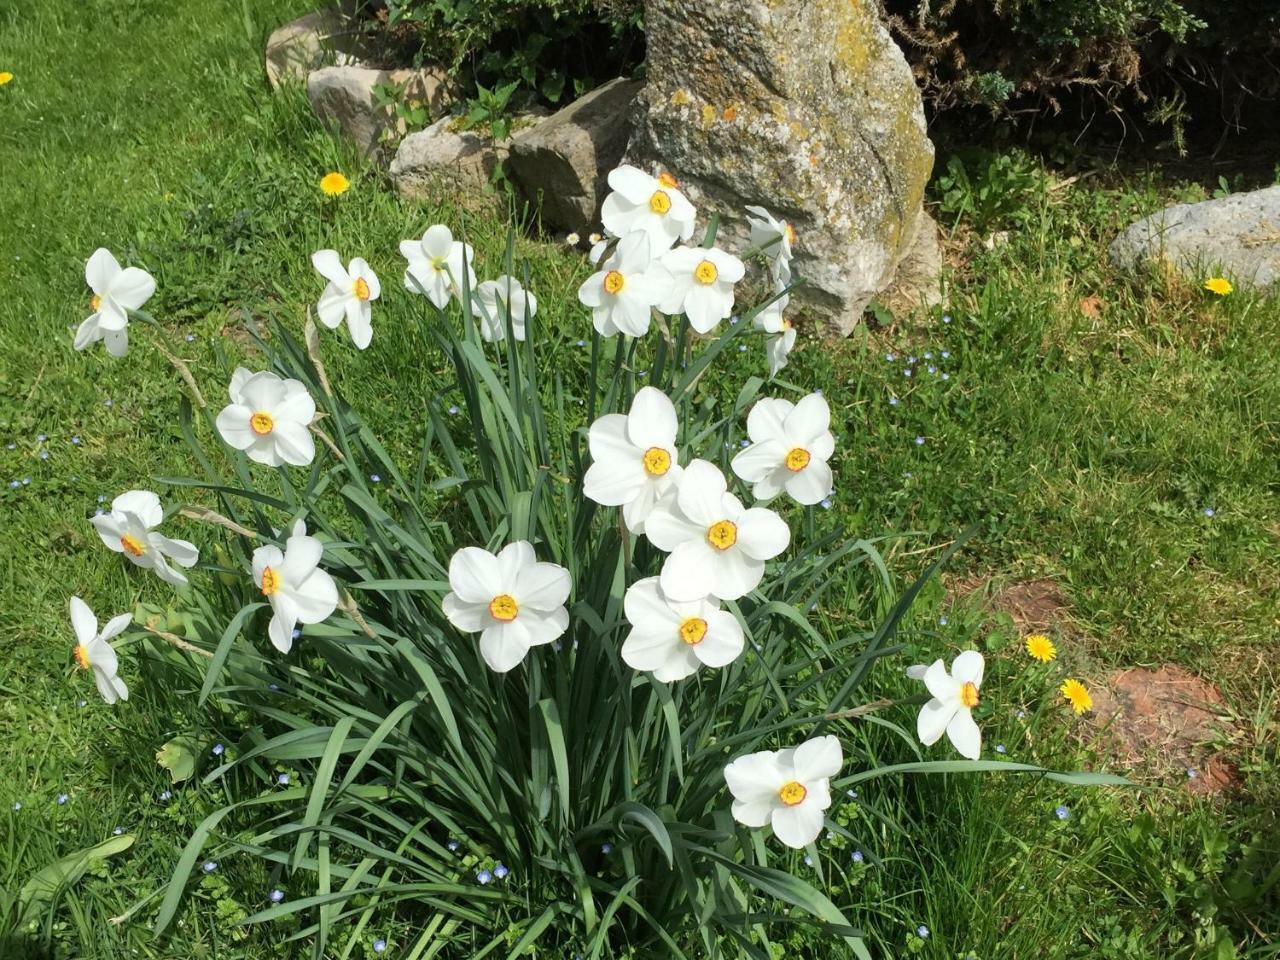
(660, 202)
(1041, 648)
(693, 631)
(261, 423)
(132, 545)
(82, 656)
(504, 607)
(1219, 285)
(706, 273)
(797, 459)
(361, 288)
(1076, 695)
(270, 582)
(793, 792)
(656, 462)
(333, 184)
(969, 695)
(722, 534)
(614, 282)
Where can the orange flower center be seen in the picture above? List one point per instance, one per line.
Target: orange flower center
(132, 545)
(613, 282)
(797, 459)
(791, 234)
(722, 534)
(693, 631)
(793, 792)
(786, 324)
(270, 582)
(706, 273)
(82, 656)
(660, 203)
(261, 423)
(969, 695)
(656, 462)
(504, 607)
(361, 288)
(667, 180)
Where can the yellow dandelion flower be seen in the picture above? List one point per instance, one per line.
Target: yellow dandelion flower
(5, 77)
(1076, 695)
(1041, 647)
(334, 184)
(1218, 285)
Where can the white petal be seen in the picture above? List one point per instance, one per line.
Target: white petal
(301, 555)
(105, 687)
(359, 323)
(88, 333)
(329, 265)
(652, 647)
(965, 735)
(702, 493)
(116, 625)
(181, 552)
(100, 269)
(116, 342)
(512, 559)
(754, 777)
(968, 668)
(734, 573)
(544, 626)
(762, 534)
(667, 527)
(724, 641)
(467, 617)
(691, 572)
(143, 504)
(652, 420)
(817, 759)
(332, 307)
(504, 645)
(297, 404)
(812, 484)
(316, 597)
(283, 620)
(767, 420)
(939, 683)
(645, 606)
(810, 419)
(760, 459)
(932, 721)
(797, 826)
(132, 288)
(473, 575)
(83, 621)
(294, 443)
(543, 586)
(234, 427)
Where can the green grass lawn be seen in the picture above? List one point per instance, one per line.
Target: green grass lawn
(1117, 438)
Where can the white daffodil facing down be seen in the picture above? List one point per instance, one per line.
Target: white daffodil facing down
(653, 206)
(512, 600)
(116, 291)
(268, 419)
(717, 547)
(625, 288)
(129, 529)
(348, 296)
(94, 652)
(634, 457)
(495, 298)
(771, 236)
(295, 586)
(790, 789)
(790, 446)
(701, 285)
(780, 334)
(672, 639)
(955, 694)
(437, 265)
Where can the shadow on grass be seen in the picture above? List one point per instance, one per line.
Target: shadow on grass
(17, 947)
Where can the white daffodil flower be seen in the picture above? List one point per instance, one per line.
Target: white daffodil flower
(790, 446)
(128, 529)
(268, 418)
(789, 789)
(599, 244)
(672, 639)
(348, 296)
(653, 206)
(771, 236)
(116, 291)
(495, 298)
(295, 586)
(955, 694)
(94, 651)
(625, 288)
(512, 600)
(701, 285)
(634, 457)
(780, 334)
(437, 265)
(717, 547)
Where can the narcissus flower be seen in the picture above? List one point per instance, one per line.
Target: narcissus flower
(268, 418)
(334, 184)
(349, 295)
(438, 265)
(634, 457)
(623, 291)
(780, 334)
(1077, 695)
(1040, 647)
(295, 586)
(495, 299)
(653, 206)
(116, 291)
(129, 529)
(718, 548)
(671, 639)
(789, 789)
(512, 600)
(955, 694)
(701, 285)
(94, 652)
(775, 239)
(1220, 286)
(790, 446)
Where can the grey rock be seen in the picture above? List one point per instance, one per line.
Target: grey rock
(309, 42)
(805, 107)
(917, 283)
(560, 165)
(344, 97)
(1237, 235)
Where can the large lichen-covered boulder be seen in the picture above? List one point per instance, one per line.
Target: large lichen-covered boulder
(805, 107)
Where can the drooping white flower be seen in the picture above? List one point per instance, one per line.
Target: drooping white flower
(625, 288)
(512, 600)
(634, 457)
(437, 265)
(772, 236)
(701, 285)
(348, 296)
(495, 298)
(295, 586)
(955, 694)
(116, 291)
(653, 206)
(599, 244)
(717, 547)
(790, 446)
(789, 789)
(671, 639)
(129, 529)
(780, 334)
(94, 651)
(268, 418)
